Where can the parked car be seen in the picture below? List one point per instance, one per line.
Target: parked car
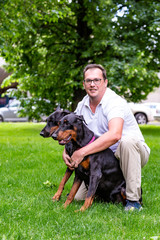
(142, 113)
(10, 112)
(4, 100)
(157, 115)
(152, 106)
(155, 108)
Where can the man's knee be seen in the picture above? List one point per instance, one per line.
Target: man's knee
(81, 193)
(127, 145)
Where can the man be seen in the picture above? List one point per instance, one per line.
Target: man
(110, 118)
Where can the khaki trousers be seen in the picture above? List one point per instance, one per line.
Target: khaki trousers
(132, 155)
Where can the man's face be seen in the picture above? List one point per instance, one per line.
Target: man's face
(97, 87)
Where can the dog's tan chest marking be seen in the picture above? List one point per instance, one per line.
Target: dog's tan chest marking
(85, 163)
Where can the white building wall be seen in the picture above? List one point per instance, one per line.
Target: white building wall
(155, 95)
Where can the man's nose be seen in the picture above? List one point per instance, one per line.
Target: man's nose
(92, 83)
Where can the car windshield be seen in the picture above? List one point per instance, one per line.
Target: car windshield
(14, 104)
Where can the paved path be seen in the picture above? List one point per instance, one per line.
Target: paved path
(156, 123)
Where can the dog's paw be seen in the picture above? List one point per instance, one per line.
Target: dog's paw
(56, 198)
(82, 209)
(65, 205)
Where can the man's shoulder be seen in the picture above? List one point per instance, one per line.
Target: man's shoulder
(83, 102)
(112, 97)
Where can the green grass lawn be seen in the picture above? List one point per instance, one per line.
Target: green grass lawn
(28, 161)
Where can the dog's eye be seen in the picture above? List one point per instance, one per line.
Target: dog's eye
(65, 121)
(50, 123)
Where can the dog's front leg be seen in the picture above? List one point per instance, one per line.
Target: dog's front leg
(88, 202)
(76, 184)
(67, 175)
(93, 184)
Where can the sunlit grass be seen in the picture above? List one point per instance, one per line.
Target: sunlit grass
(28, 161)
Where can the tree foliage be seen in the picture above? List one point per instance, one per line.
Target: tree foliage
(47, 44)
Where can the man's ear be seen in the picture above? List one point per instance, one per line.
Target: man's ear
(84, 85)
(106, 82)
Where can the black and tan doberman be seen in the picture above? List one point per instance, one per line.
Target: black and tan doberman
(52, 122)
(100, 171)
(47, 131)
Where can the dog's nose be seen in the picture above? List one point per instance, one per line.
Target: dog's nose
(42, 133)
(54, 136)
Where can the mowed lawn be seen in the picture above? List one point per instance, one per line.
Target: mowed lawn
(31, 169)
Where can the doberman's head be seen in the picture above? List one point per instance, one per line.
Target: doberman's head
(52, 122)
(73, 127)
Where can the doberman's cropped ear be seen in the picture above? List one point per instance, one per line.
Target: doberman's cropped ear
(67, 111)
(58, 108)
(80, 117)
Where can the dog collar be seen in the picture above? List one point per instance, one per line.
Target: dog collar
(92, 140)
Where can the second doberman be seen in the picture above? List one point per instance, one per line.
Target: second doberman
(51, 126)
(100, 171)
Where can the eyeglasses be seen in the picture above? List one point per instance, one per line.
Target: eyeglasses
(96, 81)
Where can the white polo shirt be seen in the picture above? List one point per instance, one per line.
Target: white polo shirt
(111, 106)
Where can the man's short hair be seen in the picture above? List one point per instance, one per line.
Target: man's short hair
(90, 66)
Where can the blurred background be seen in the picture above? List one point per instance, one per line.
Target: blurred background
(44, 46)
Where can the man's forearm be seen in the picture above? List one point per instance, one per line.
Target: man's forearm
(100, 144)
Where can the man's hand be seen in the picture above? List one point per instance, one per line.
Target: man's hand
(67, 160)
(76, 158)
